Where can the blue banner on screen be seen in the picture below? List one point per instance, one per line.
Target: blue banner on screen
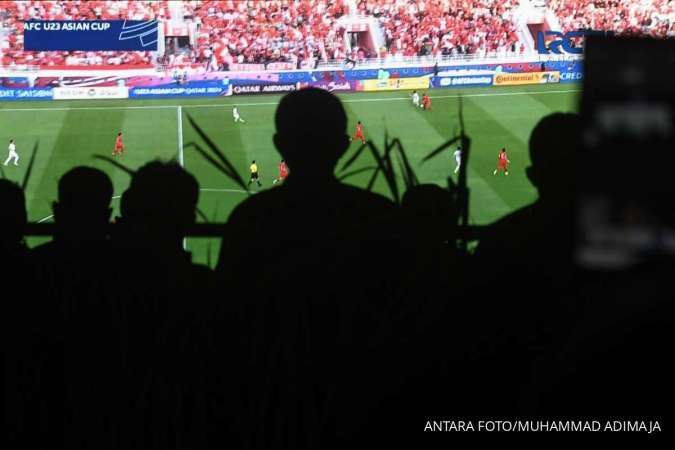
(26, 94)
(94, 35)
(191, 90)
(461, 81)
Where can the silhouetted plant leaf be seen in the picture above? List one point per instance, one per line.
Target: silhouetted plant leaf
(354, 157)
(207, 157)
(220, 167)
(115, 163)
(356, 171)
(29, 170)
(202, 215)
(460, 102)
(373, 177)
(441, 148)
(409, 175)
(230, 170)
(388, 171)
(383, 167)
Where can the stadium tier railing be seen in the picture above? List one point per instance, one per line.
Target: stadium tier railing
(372, 63)
(416, 61)
(215, 230)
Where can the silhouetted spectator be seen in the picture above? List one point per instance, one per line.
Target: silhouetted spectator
(312, 209)
(539, 235)
(26, 348)
(81, 215)
(525, 261)
(132, 323)
(311, 259)
(13, 223)
(158, 207)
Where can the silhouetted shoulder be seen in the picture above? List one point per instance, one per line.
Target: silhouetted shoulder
(343, 204)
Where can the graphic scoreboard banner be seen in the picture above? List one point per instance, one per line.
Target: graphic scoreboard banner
(93, 35)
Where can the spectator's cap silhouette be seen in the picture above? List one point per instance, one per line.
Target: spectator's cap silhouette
(552, 148)
(311, 129)
(161, 195)
(13, 223)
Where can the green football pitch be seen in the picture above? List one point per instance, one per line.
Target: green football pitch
(71, 133)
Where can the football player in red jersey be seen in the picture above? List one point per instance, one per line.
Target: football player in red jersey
(359, 133)
(426, 102)
(502, 162)
(119, 146)
(283, 172)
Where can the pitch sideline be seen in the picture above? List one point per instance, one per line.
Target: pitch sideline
(356, 100)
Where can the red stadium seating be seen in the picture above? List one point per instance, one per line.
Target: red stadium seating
(444, 27)
(297, 33)
(654, 18)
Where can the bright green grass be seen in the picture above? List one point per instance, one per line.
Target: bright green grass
(68, 136)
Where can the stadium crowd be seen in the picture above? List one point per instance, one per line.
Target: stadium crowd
(334, 318)
(298, 33)
(263, 32)
(446, 27)
(654, 18)
(293, 32)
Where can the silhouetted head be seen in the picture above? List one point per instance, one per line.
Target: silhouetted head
(253, 162)
(552, 147)
(161, 201)
(84, 201)
(13, 223)
(503, 150)
(11, 141)
(359, 122)
(119, 134)
(311, 134)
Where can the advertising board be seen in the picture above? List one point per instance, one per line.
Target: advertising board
(395, 84)
(90, 93)
(515, 79)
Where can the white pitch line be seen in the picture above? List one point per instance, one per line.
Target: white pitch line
(76, 108)
(237, 191)
(357, 100)
(181, 158)
(52, 215)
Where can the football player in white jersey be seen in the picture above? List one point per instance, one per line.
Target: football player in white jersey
(13, 155)
(237, 117)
